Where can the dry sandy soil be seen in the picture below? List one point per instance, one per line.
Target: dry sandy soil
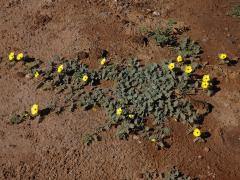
(53, 149)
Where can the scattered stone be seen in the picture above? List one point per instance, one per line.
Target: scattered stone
(206, 149)
(200, 157)
(156, 13)
(205, 39)
(135, 137)
(29, 76)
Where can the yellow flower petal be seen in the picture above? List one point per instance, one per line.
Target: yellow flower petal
(206, 78)
(34, 109)
(36, 74)
(11, 56)
(197, 132)
(222, 56)
(119, 111)
(205, 85)
(188, 69)
(179, 58)
(103, 61)
(171, 66)
(85, 78)
(20, 56)
(60, 68)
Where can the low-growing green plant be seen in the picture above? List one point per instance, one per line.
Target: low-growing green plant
(89, 138)
(138, 91)
(235, 12)
(163, 36)
(18, 118)
(188, 48)
(150, 175)
(173, 174)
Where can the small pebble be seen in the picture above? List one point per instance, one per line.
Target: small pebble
(29, 76)
(206, 149)
(135, 137)
(156, 13)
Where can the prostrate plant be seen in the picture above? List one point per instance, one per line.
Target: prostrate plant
(18, 118)
(188, 48)
(163, 36)
(173, 174)
(235, 12)
(139, 92)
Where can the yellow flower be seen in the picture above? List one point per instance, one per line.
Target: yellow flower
(119, 111)
(197, 132)
(11, 56)
(131, 116)
(34, 110)
(204, 84)
(179, 58)
(103, 61)
(222, 56)
(171, 66)
(188, 69)
(206, 78)
(153, 140)
(36, 74)
(20, 56)
(85, 78)
(60, 68)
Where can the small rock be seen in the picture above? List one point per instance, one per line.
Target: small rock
(229, 35)
(226, 29)
(148, 10)
(156, 13)
(205, 39)
(200, 157)
(206, 149)
(135, 137)
(29, 76)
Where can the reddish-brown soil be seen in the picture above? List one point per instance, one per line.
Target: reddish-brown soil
(53, 149)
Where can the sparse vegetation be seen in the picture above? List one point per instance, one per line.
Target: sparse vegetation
(173, 174)
(235, 12)
(188, 48)
(18, 118)
(139, 91)
(163, 36)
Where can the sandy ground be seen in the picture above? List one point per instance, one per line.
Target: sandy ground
(53, 149)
